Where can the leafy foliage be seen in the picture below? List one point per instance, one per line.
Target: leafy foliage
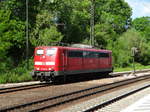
(112, 18)
(47, 36)
(143, 26)
(12, 37)
(123, 46)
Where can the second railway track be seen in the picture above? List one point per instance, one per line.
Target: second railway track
(23, 87)
(50, 102)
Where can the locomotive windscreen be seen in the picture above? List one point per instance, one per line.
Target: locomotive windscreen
(51, 51)
(40, 52)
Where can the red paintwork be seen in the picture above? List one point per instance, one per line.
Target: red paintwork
(62, 62)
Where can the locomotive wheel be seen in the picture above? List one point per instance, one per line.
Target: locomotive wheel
(41, 79)
(50, 79)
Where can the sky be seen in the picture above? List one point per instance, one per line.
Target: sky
(140, 8)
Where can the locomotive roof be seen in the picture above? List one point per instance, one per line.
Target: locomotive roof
(74, 48)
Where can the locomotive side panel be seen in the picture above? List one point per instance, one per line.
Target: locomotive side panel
(74, 60)
(103, 59)
(90, 60)
(84, 61)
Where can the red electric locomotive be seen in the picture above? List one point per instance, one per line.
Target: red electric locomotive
(54, 61)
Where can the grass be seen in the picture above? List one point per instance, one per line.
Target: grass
(12, 77)
(19, 74)
(137, 67)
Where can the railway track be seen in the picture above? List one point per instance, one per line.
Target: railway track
(50, 102)
(23, 87)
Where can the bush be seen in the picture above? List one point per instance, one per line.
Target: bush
(19, 74)
(122, 48)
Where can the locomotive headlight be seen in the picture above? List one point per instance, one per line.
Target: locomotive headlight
(38, 63)
(49, 69)
(50, 63)
(37, 68)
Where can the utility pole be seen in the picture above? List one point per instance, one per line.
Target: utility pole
(92, 11)
(27, 34)
(134, 51)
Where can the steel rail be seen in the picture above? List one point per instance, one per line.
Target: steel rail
(23, 87)
(62, 99)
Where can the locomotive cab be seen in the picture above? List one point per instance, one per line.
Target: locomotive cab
(44, 63)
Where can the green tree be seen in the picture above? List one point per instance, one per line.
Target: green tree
(104, 35)
(115, 12)
(123, 46)
(75, 15)
(142, 25)
(45, 31)
(12, 37)
(47, 36)
(113, 18)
